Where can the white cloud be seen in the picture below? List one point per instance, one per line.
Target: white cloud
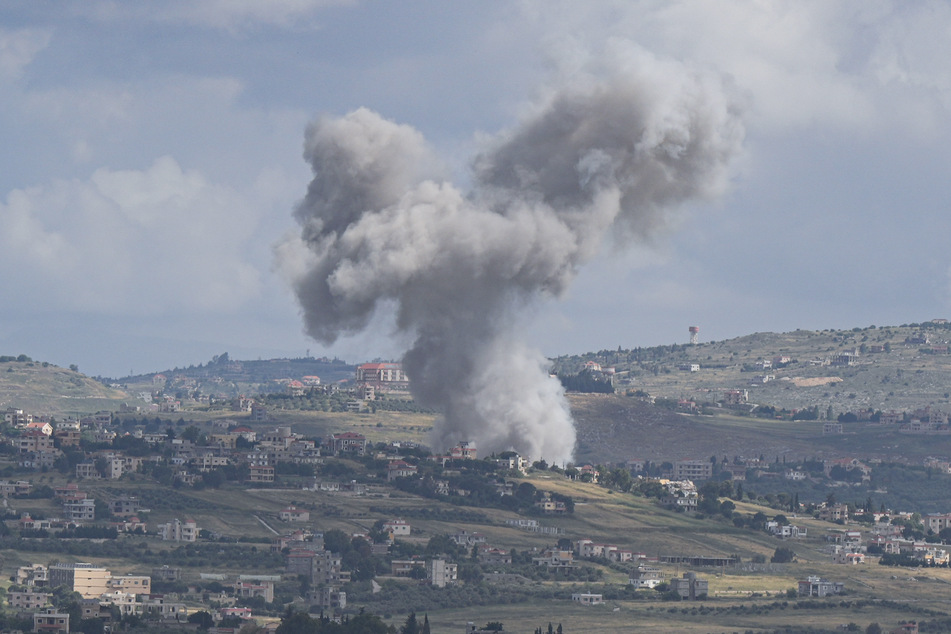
(802, 62)
(18, 48)
(130, 241)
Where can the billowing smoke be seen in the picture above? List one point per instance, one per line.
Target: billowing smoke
(614, 152)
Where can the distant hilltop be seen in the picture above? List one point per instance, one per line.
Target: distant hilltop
(882, 367)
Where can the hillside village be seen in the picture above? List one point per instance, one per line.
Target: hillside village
(183, 510)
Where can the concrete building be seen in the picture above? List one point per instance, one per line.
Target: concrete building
(29, 600)
(348, 442)
(179, 531)
(79, 511)
(690, 587)
(587, 598)
(88, 580)
(646, 577)
(51, 622)
(816, 587)
(442, 574)
(693, 470)
(132, 584)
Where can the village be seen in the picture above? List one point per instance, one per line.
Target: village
(252, 454)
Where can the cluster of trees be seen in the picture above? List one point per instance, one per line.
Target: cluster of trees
(479, 478)
(586, 382)
(316, 399)
(20, 358)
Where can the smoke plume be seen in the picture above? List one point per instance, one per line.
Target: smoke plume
(615, 152)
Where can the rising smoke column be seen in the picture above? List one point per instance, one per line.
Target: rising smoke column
(616, 151)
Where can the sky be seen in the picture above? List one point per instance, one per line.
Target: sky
(152, 160)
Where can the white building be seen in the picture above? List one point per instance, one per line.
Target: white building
(179, 531)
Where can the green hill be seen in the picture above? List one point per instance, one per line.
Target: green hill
(43, 388)
(882, 368)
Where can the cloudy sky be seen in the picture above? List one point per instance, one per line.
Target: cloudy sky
(152, 159)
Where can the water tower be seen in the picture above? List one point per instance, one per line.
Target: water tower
(694, 334)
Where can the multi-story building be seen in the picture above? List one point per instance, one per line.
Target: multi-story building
(646, 577)
(179, 531)
(132, 584)
(88, 580)
(348, 442)
(125, 506)
(261, 473)
(79, 511)
(816, 587)
(690, 587)
(255, 588)
(693, 470)
(28, 600)
(327, 570)
(442, 573)
(382, 376)
(51, 622)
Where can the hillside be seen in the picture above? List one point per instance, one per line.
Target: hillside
(741, 597)
(882, 368)
(227, 378)
(43, 388)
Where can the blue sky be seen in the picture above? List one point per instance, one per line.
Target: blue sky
(153, 157)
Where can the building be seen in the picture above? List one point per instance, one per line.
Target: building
(179, 531)
(250, 589)
(29, 600)
(79, 511)
(167, 573)
(442, 574)
(400, 469)
(294, 514)
(405, 567)
(816, 587)
(88, 580)
(587, 598)
(20, 487)
(261, 474)
(465, 450)
(159, 605)
(690, 587)
(693, 470)
(51, 622)
(327, 569)
(125, 506)
(348, 442)
(646, 577)
(382, 376)
(330, 598)
(132, 584)
(397, 527)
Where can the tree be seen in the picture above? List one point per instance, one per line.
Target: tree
(298, 623)
(425, 629)
(202, 618)
(191, 433)
(411, 626)
(783, 555)
(526, 492)
(726, 508)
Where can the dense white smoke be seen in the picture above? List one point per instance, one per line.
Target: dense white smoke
(616, 150)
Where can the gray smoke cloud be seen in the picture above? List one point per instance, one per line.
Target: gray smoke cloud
(614, 152)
